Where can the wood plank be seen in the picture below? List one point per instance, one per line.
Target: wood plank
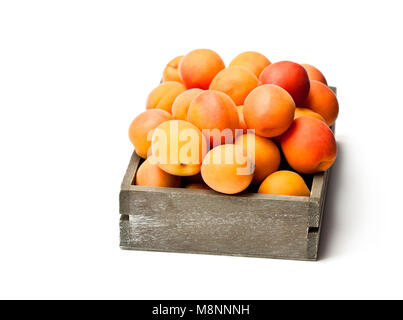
(146, 201)
(128, 179)
(227, 225)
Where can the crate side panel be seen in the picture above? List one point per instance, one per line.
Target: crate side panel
(227, 225)
(131, 171)
(124, 227)
(316, 217)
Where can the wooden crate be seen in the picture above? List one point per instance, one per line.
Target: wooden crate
(207, 222)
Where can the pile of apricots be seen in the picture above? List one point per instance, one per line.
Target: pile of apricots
(246, 121)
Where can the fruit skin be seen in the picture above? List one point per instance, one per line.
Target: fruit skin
(150, 174)
(242, 123)
(309, 145)
(305, 112)
(220, 169)
(269, 110)
(176, 152)
(214, 110)
(314, 73)
(237, 82)
(265, 154)
(199, 67)
(182, 102)
(171, 70)
(197, 186)
(290, 76)
(251, 60)
(322, 100)
(142, 126)
(286, 183)
(163, 96)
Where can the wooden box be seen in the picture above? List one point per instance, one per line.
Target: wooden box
(207, 222)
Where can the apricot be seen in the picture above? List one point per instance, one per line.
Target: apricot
(242, 123)
(179, 147)
(305, 112)
(199, 67)
(269, 110)
(251, 60)
(322, 100)
(309, 145)
(226, 169)
(265, 153)
(286, 183)
(171, 71)
(197, 186)
(163, 96)
(150, 174)
(142, 128)
(290, 76)
(314, 73)
(182, 102)
(237, 82)
(215, 113)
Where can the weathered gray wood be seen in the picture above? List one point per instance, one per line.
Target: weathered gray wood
(128, 179)
(316, 214)
(204, 221)
(197, 223)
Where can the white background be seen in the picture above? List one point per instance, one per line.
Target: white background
(73, 74)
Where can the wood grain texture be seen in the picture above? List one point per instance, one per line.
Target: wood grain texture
(128, 179)
(204, 221)
(197, 222)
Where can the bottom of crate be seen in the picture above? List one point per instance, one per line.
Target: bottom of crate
(129, 241)
(217, 254)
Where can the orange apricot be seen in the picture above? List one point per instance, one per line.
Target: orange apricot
(215, 113)
(314, 73)
(227, 170)
(321, 99)
(253, 61)
(290, 76)
(286, 183)
(199, 67)
(171, 71)
(163, 96)
(305, 112)
(309, 145)
(263, 151)
(182, 102)
(179, 147)
(237, 82)
(142, 127)
(269, 110)
(150, 174)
